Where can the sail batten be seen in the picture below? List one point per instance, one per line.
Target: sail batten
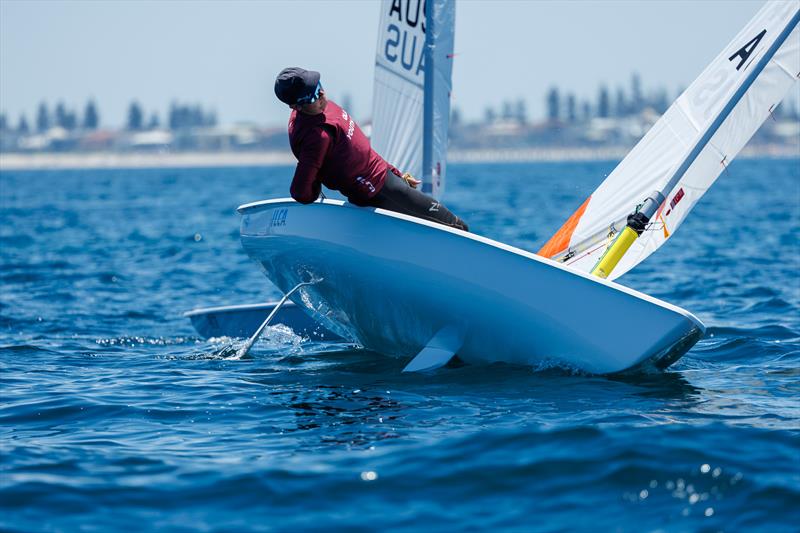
(695, 140)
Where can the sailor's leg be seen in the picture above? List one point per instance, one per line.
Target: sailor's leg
(396, 195)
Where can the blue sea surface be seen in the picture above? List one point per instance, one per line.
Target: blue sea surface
(116, 416)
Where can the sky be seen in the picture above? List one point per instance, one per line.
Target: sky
(225, 55)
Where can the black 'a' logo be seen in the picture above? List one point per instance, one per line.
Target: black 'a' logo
(744, 52)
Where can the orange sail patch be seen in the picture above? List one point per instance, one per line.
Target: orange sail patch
(560, 241)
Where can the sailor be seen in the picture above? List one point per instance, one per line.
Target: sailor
(331, 150)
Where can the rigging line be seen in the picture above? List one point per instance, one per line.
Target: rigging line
(771, 114)
(587, 253)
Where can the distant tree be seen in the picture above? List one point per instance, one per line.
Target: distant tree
(211, 119)
(521, 112)
(637, 99)
(197, 117)
(572, 112)
(3, 122)
(553, 104)
(70, 120)
(586, 111)
(660, 102)
(172, 116)
(177, 117)
(153, 123)
(42, 118)
(135, 116)
(603, 104)
(91, 120)
(621, 108)
(22, 127)
(508, 111)
(65, 118)
(489, 115)
(455, 117)
(190, 116)
(61, 115)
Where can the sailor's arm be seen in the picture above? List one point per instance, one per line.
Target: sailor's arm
(306, 184)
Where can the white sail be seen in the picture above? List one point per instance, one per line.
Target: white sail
(398, 124)
(688, 148)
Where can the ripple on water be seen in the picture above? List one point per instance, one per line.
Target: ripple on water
(115, 413)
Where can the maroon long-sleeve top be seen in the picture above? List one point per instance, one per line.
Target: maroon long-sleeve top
(332, 150)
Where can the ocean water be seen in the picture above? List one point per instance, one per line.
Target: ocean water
(116, 416)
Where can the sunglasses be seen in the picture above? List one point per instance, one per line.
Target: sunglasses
(311, 98)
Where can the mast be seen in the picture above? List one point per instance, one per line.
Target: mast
(428, 99)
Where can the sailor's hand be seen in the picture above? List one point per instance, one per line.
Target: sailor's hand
(411, 180)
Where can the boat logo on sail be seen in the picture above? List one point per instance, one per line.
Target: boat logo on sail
(744, 52)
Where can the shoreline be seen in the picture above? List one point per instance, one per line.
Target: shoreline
(142, 160)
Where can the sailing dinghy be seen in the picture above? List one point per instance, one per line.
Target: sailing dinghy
(408, 288)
